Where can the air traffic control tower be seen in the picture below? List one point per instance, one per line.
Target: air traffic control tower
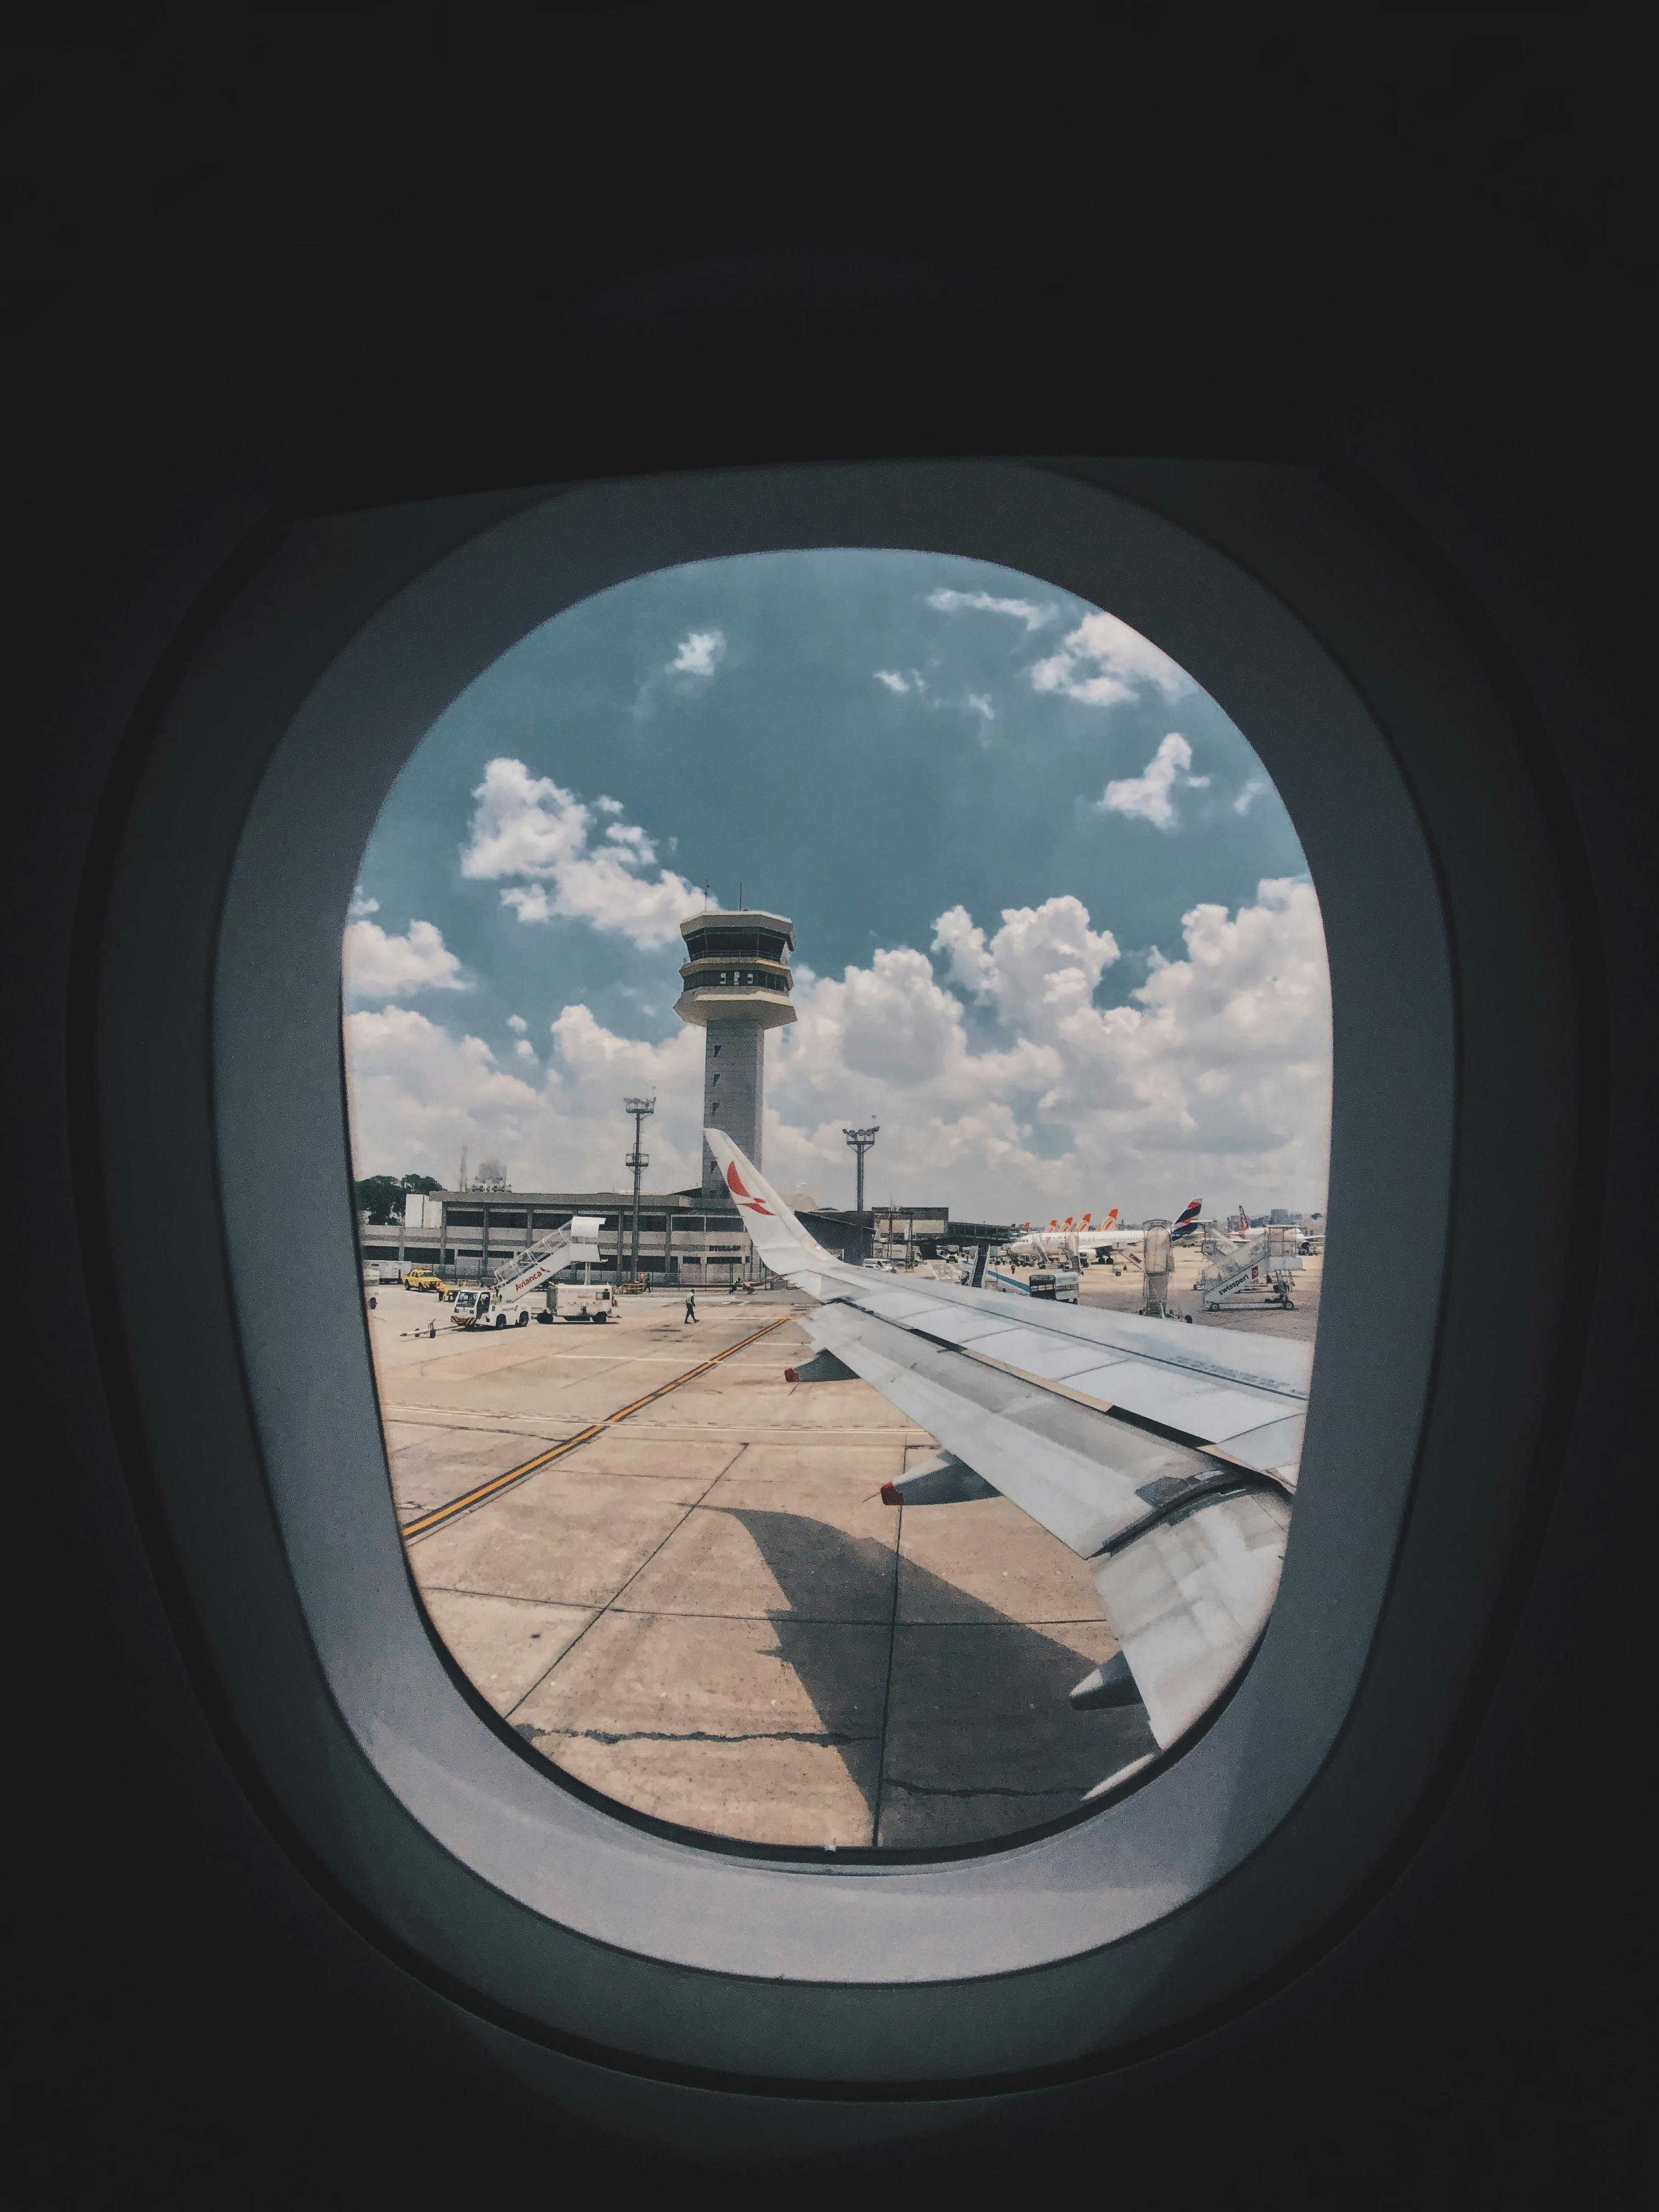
(735, 987)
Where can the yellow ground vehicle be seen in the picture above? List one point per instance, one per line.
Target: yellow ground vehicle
(424, 1278)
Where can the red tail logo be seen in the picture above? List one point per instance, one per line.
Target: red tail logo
(742, 1196)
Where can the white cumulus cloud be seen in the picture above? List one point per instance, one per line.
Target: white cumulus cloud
(379, 965)
(1102, 662)
(697, 653)
(1043, 960)
(1150, 795)
(898, 680)
(1001, 1089)
(1214, 1081)
(517, 1022)
(418, 1094)
(985, 603)
(531, 827)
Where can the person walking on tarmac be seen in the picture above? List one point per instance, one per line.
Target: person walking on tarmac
(690, 1305)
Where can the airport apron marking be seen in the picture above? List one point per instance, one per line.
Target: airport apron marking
(427, 1522)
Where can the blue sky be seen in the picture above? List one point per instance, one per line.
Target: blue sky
(993, 813)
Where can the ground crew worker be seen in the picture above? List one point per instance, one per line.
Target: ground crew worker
(690, 1305)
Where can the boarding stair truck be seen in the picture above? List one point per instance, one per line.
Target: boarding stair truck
(508, 1299)
(1249, 1277)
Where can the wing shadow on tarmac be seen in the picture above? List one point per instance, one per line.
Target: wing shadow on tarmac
(979, 1739)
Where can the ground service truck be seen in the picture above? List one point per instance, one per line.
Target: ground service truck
(509, 1298)
(580, 1302)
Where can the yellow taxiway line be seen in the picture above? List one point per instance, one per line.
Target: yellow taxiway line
(443, 1513)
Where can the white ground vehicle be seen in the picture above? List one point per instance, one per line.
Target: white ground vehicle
(1058, 1282)
(485, 1308)
(580, 1302)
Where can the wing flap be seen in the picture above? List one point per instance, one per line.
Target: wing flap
(1053, 1357)
(1189, 1600)
(1078, 1472)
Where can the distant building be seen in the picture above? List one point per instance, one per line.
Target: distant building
(682, 1239)
(473, 1232)
(898, 1231)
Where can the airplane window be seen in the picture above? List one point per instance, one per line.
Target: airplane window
(1047, 947)
(898, 1532)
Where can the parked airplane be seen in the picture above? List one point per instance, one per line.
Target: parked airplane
(1069, 1240)
(1059, 1240)
(1182, 1521)
(1101, 1241)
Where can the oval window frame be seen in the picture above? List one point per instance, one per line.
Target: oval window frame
(219, 1050)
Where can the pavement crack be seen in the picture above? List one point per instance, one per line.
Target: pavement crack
(982, 1789)
(832, 1738)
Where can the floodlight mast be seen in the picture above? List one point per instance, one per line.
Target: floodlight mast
(638, 1160)
(862, 1140)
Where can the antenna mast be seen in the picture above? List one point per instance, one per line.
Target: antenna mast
(638, 1160)
(862, 1140)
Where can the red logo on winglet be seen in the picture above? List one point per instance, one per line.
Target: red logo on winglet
(738, 1191)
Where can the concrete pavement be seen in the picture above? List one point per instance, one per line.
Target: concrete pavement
(707, 1612)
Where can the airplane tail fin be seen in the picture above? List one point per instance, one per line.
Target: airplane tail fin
(773, 1230)
(1187, 1220)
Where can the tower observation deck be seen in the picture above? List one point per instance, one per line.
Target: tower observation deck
(735, 986)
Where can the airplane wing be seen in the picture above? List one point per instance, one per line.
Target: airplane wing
(1167, 1461)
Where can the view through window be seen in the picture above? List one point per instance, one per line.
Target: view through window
(839, 1051)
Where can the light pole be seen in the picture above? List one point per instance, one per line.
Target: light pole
(862, 1140)
(639, 1107)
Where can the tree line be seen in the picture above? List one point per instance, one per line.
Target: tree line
(382, 1197)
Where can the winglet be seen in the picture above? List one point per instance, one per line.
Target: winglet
(775, 1234)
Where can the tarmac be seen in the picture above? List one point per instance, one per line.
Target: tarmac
(705, 1612)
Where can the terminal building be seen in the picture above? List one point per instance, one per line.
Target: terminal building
(469, 1233)
(682, 1241)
